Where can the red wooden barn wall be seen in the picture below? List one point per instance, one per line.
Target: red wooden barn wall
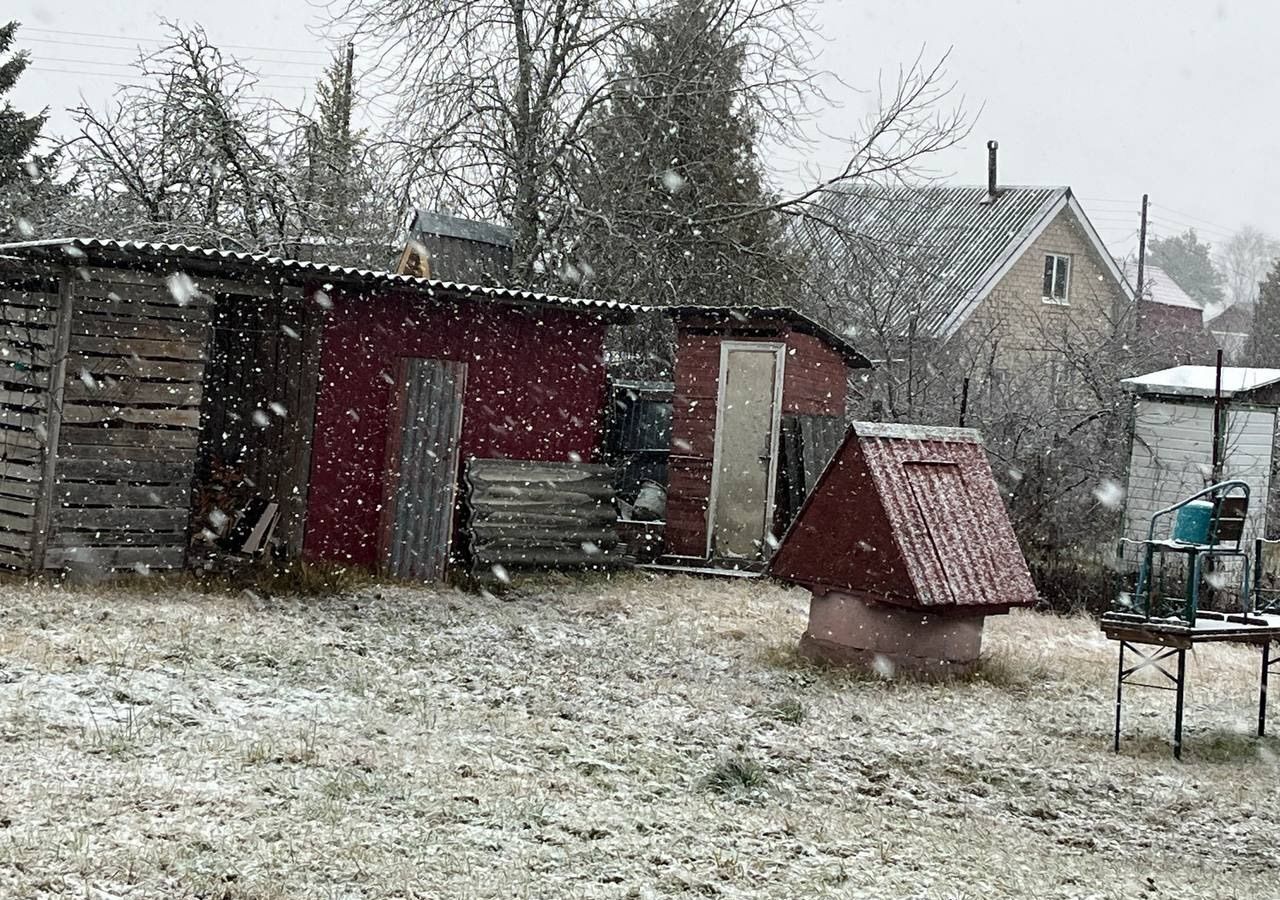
(814, 383)
(535, 389)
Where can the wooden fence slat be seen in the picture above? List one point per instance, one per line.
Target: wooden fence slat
(115, 538)
(178, 349)
(124, 390)
(120, 519)
(27, 420)
(91, 452)
(124, 470)
(15, 540)
(80, 435)
(12, 559)
(80, 414)
(115, 558)
(126, 311)
(107, 494)
(17, 507)
(103, 366)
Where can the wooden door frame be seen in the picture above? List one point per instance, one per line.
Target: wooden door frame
(391, 456)
(779, 350)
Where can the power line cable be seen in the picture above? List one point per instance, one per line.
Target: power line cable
(128, 83)
(110, 37)
(99, 62)
(274, 62)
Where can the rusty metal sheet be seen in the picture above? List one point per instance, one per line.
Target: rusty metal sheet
(426, 470)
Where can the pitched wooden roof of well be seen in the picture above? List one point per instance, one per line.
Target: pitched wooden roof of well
(908, 515)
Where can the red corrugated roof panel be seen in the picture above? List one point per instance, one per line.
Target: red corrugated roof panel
(908, 515)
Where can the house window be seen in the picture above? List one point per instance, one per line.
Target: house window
(1057, 278)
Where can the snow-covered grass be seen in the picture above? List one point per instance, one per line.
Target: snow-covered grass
(644, 737)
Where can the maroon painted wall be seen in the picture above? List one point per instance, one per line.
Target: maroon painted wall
(813, 383)
(535, 390)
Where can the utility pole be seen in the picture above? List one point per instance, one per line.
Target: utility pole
(1142, 246)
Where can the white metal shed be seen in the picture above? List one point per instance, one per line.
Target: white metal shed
(1171, 455)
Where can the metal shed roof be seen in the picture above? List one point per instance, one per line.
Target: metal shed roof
(909, 516)
(793, 317)
(76, 251)
(1199, 381)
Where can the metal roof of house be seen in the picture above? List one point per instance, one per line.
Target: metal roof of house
(1198, 381)
(910, 516)
(75, 251)
(1159, 287)
(960, 242)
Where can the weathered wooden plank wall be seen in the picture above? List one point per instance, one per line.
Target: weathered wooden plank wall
(521, 513)
(127, 426)
(29, 300)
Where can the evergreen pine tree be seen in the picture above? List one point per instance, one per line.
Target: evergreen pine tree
(673, 205)
(18, 132)
(1264, 349)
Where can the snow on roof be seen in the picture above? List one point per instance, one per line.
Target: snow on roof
(903, 432)
(1159, 287)
(1198, 381)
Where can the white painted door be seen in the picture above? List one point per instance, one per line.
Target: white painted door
(746, 449)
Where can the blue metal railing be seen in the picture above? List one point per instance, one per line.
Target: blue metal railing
(1196, 554)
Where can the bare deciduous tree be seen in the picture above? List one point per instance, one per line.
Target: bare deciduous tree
(496, 100)
(195, 154)
(1245, 260)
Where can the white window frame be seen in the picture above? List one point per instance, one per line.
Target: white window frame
(1065, 300)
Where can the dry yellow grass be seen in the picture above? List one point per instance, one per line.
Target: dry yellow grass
(642, 737)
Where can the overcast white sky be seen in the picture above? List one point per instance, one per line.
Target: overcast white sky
(1114, 99)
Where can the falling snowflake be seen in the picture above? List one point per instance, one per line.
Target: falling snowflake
(673, 181)
(1109, 494)
(182, 287)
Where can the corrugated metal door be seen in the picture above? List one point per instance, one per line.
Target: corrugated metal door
(746, 446)
(418, 511)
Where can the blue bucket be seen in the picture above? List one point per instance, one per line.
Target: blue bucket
(1193, 522)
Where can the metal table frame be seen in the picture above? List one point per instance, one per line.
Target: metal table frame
(1171, 639)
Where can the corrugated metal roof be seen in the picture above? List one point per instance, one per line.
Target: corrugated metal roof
(956, 239)
(1200, 381)
(910, 516)
(797, 319)
(426, 221)
(72, 249)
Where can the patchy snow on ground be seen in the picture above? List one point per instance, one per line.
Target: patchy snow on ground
(642, 737)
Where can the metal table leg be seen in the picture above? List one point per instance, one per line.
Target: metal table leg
(1262, 689)
(1177, 715)
(1119, 697)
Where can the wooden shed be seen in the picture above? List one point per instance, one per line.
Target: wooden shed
(759, 408)
(1172, 451)
(148, 390)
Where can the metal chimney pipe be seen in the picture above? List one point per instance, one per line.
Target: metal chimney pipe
(992, 147)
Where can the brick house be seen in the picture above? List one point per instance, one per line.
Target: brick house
(988, 283)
